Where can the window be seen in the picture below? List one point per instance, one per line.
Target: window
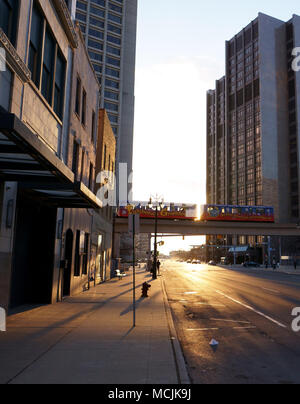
(35, 46)
(75, 158)
(48, 77)
(96, 33)
(114, 18)
(83, 111)
(48, 67)
(77, 254)
(97, 11)
(111, 95)
(110, 106)
(8, 18)
(78, 96)
(104, 158)
(111, 83)
(93, 126)
(59, 84)
(91, 177)
(82, 165)
(85, 254)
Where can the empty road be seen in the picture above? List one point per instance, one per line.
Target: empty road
(249, 313)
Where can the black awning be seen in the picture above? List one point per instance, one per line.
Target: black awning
(26, 159)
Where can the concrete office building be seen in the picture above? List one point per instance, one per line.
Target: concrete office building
(253, 133)
(109, 27)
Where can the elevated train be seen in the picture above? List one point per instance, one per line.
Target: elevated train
(221, 213)
(227, 213)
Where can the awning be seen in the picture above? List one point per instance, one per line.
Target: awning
(24, 158)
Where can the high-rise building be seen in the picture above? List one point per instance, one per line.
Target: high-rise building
(109, 28)
(253, 118)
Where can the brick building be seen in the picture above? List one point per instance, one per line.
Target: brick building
(103, 218)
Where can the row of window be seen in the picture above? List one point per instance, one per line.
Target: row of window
(79, 160)
(46, 62)
(81, 108)
(97, 12)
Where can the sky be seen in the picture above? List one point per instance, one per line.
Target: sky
(180, 55)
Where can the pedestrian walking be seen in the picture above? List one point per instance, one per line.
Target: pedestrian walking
(158, 266)
(274, 263)
(295, 263)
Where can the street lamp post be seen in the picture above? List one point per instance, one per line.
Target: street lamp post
(155, 246)
(157, 205)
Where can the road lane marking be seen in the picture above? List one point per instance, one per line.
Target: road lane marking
(202, 329)
(230, 321)
(270, 290)
(244, 328)
(209, 305)
(252, 309)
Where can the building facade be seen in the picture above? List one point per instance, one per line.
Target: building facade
(80, 151)
(109, 28)
(253, 122)
(38, 185)
(102, 243)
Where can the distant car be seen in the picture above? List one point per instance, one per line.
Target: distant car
(189, 261)
(196, 262)
(212, 263)
(251, 264)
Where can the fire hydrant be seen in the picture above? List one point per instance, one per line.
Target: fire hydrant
(145, 288)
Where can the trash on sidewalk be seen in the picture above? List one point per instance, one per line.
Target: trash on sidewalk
(213, 343)
(145, 288)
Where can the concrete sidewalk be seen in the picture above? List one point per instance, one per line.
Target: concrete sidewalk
(89, 339)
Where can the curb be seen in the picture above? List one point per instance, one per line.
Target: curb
(259, 270)
(182, 372)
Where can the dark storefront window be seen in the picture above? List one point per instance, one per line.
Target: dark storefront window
(8, 18)
(85, 254)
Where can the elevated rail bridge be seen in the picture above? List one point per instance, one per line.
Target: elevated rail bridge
(199, 228)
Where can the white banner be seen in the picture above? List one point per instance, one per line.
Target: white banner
(2, 320)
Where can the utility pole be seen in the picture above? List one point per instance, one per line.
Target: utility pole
(133, 256)
(155, 246)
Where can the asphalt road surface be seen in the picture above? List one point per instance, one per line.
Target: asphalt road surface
(248, 313)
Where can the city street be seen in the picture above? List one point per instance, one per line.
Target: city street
(248, 313)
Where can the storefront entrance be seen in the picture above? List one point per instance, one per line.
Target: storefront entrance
(32, 272)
